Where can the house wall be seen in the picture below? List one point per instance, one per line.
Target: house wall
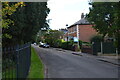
(86, 32)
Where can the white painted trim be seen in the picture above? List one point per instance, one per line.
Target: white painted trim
(77, 31)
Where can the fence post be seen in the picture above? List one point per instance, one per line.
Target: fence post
(30, 54)
(8, 60)
(92, 47)
(101, 47)
(4, 64)
(17, 60)
(12, 49)
(117, 53)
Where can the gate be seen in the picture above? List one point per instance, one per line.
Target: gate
(96, 47)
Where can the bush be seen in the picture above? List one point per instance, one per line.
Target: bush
(96, 38)
(67, 45)
(57, 43)
(86, 43)
(54, 43)
(81, 43)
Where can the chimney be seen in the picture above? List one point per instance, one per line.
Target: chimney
(82, 15)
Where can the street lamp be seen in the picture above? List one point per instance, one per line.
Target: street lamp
(67, 35)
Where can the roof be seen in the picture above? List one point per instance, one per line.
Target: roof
(82, 21)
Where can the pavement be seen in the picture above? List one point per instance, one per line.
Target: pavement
(110, 59)
(69, 64)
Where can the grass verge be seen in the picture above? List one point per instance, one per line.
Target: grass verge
(36, 68)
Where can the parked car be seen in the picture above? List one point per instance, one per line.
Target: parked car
(46, 46)
(34, 43)
(41, 44)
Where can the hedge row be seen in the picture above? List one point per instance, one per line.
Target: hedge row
(68, 45)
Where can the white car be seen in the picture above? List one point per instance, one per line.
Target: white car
(41, 44)
(34, 43)
(44, 45)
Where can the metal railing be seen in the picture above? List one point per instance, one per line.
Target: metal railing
(16, 61)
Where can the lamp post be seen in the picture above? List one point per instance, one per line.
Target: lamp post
(67, 35)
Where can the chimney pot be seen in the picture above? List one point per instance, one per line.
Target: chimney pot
(82, 15)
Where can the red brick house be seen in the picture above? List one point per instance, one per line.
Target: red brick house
(82, 29)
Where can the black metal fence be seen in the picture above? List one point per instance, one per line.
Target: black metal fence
(16, 61)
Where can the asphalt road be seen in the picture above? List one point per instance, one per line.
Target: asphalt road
(63, 64)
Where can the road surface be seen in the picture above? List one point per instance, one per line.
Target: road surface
(63, 64)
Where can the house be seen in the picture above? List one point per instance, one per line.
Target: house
(82, 29)
(63, 30)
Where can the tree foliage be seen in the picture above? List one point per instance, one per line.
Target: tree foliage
(96, 38)
(53, 38)
(28, 20)
(102, 15)
(105, 17)
(7, 10)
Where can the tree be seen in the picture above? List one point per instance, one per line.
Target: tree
(28, 20)
(7, 10)
(117, 25)
(105, 17)
(40, 35)
(53, 37)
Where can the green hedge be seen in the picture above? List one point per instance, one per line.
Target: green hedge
(82, 43)
(54, 43)
(57, 43)
(67, 45)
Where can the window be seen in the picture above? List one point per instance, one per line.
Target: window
(75, 29)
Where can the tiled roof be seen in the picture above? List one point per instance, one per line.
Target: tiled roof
(82, 21)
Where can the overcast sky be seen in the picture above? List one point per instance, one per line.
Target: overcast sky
(64, 12)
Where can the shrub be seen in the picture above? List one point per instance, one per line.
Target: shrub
(81, 43)
(96, 38)
(54, 43)
(86, 43)
(57, 43)
(67, 45)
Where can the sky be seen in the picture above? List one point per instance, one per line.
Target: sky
(64, 12)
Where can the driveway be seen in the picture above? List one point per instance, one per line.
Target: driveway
(63, 64)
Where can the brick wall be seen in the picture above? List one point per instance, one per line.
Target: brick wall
(86, 32)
